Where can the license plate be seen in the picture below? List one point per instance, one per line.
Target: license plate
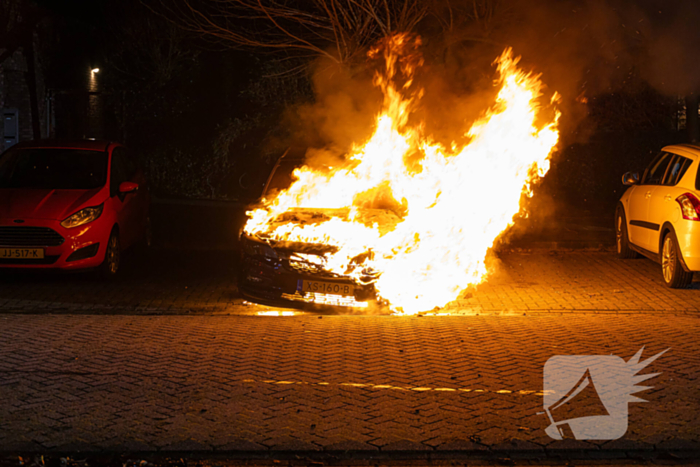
(21, 253)
(328, 287)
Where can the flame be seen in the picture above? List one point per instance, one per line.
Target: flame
(445, 206)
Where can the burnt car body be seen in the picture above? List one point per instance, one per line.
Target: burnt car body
(290, 274)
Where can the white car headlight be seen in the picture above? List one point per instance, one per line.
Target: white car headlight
(83, 217)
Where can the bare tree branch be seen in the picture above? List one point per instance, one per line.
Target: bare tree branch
(340, 30)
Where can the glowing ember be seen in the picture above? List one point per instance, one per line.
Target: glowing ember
(417, 217)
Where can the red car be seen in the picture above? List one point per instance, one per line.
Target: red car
(70, 205)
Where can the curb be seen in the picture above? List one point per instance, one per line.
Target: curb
(483, 456)
(562, 245)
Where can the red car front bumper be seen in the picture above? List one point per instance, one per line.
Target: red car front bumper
(81, 247)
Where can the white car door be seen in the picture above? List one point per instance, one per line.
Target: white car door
(637, 209)
(640, 228)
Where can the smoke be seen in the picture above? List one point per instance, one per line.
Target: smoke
(672, 35)
(583, 49)
(590, 48)
(341, 114)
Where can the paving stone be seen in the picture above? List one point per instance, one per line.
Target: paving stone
(679, 445)
(570, 445)
(517, 445)
(14, 446)
(244, 383)
(462, 445)
(405, 445)
(350, 445)
(521, 283)
(240, 445)
(78, 447)
(187, 445)
(128, 446)
(626, 445)
(292, 444)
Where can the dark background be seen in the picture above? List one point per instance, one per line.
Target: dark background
(207, 119)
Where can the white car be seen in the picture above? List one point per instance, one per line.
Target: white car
(659, 214)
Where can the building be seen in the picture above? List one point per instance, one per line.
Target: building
(16, 100)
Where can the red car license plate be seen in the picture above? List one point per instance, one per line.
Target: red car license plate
(21, 253)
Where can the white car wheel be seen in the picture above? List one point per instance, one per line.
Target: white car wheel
(622, 239)
(675, 276)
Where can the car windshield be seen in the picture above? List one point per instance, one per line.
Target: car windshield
(283, 176)
(53, 168)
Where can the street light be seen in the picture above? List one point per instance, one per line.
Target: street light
(95, 70)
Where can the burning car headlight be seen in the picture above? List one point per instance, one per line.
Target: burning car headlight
(315, 260)
(83, 217)
(253, 248)
(307, 263)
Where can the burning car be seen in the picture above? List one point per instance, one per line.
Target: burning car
(400, 220)
(278, 272)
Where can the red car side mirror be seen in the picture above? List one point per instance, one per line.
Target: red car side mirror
(128, 187)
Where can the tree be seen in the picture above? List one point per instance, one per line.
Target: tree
(18, 21)
(149, 63)
(340, 30)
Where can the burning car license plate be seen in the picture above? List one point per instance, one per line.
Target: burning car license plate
(21, 253)
(328, 288)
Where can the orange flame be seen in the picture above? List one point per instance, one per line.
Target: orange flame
(439, 216)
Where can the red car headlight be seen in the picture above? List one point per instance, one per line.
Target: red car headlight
(83, 217)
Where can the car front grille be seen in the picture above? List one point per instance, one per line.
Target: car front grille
(29, 236)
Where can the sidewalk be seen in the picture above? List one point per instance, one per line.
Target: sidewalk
(260, 387)
(204, 282)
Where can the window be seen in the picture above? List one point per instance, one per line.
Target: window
(676, 171)
(53, 168)
(654, 174)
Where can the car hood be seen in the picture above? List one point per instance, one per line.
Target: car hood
(22, 203)
(386, 220)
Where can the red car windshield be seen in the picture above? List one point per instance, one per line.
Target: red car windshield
(53, 168)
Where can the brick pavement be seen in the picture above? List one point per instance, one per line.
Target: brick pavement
(575, 281)
(380, 384)
(182, 282)
(164, 281)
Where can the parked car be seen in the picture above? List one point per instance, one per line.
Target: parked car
(71, 205)
(292, 274)
(659, 214)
